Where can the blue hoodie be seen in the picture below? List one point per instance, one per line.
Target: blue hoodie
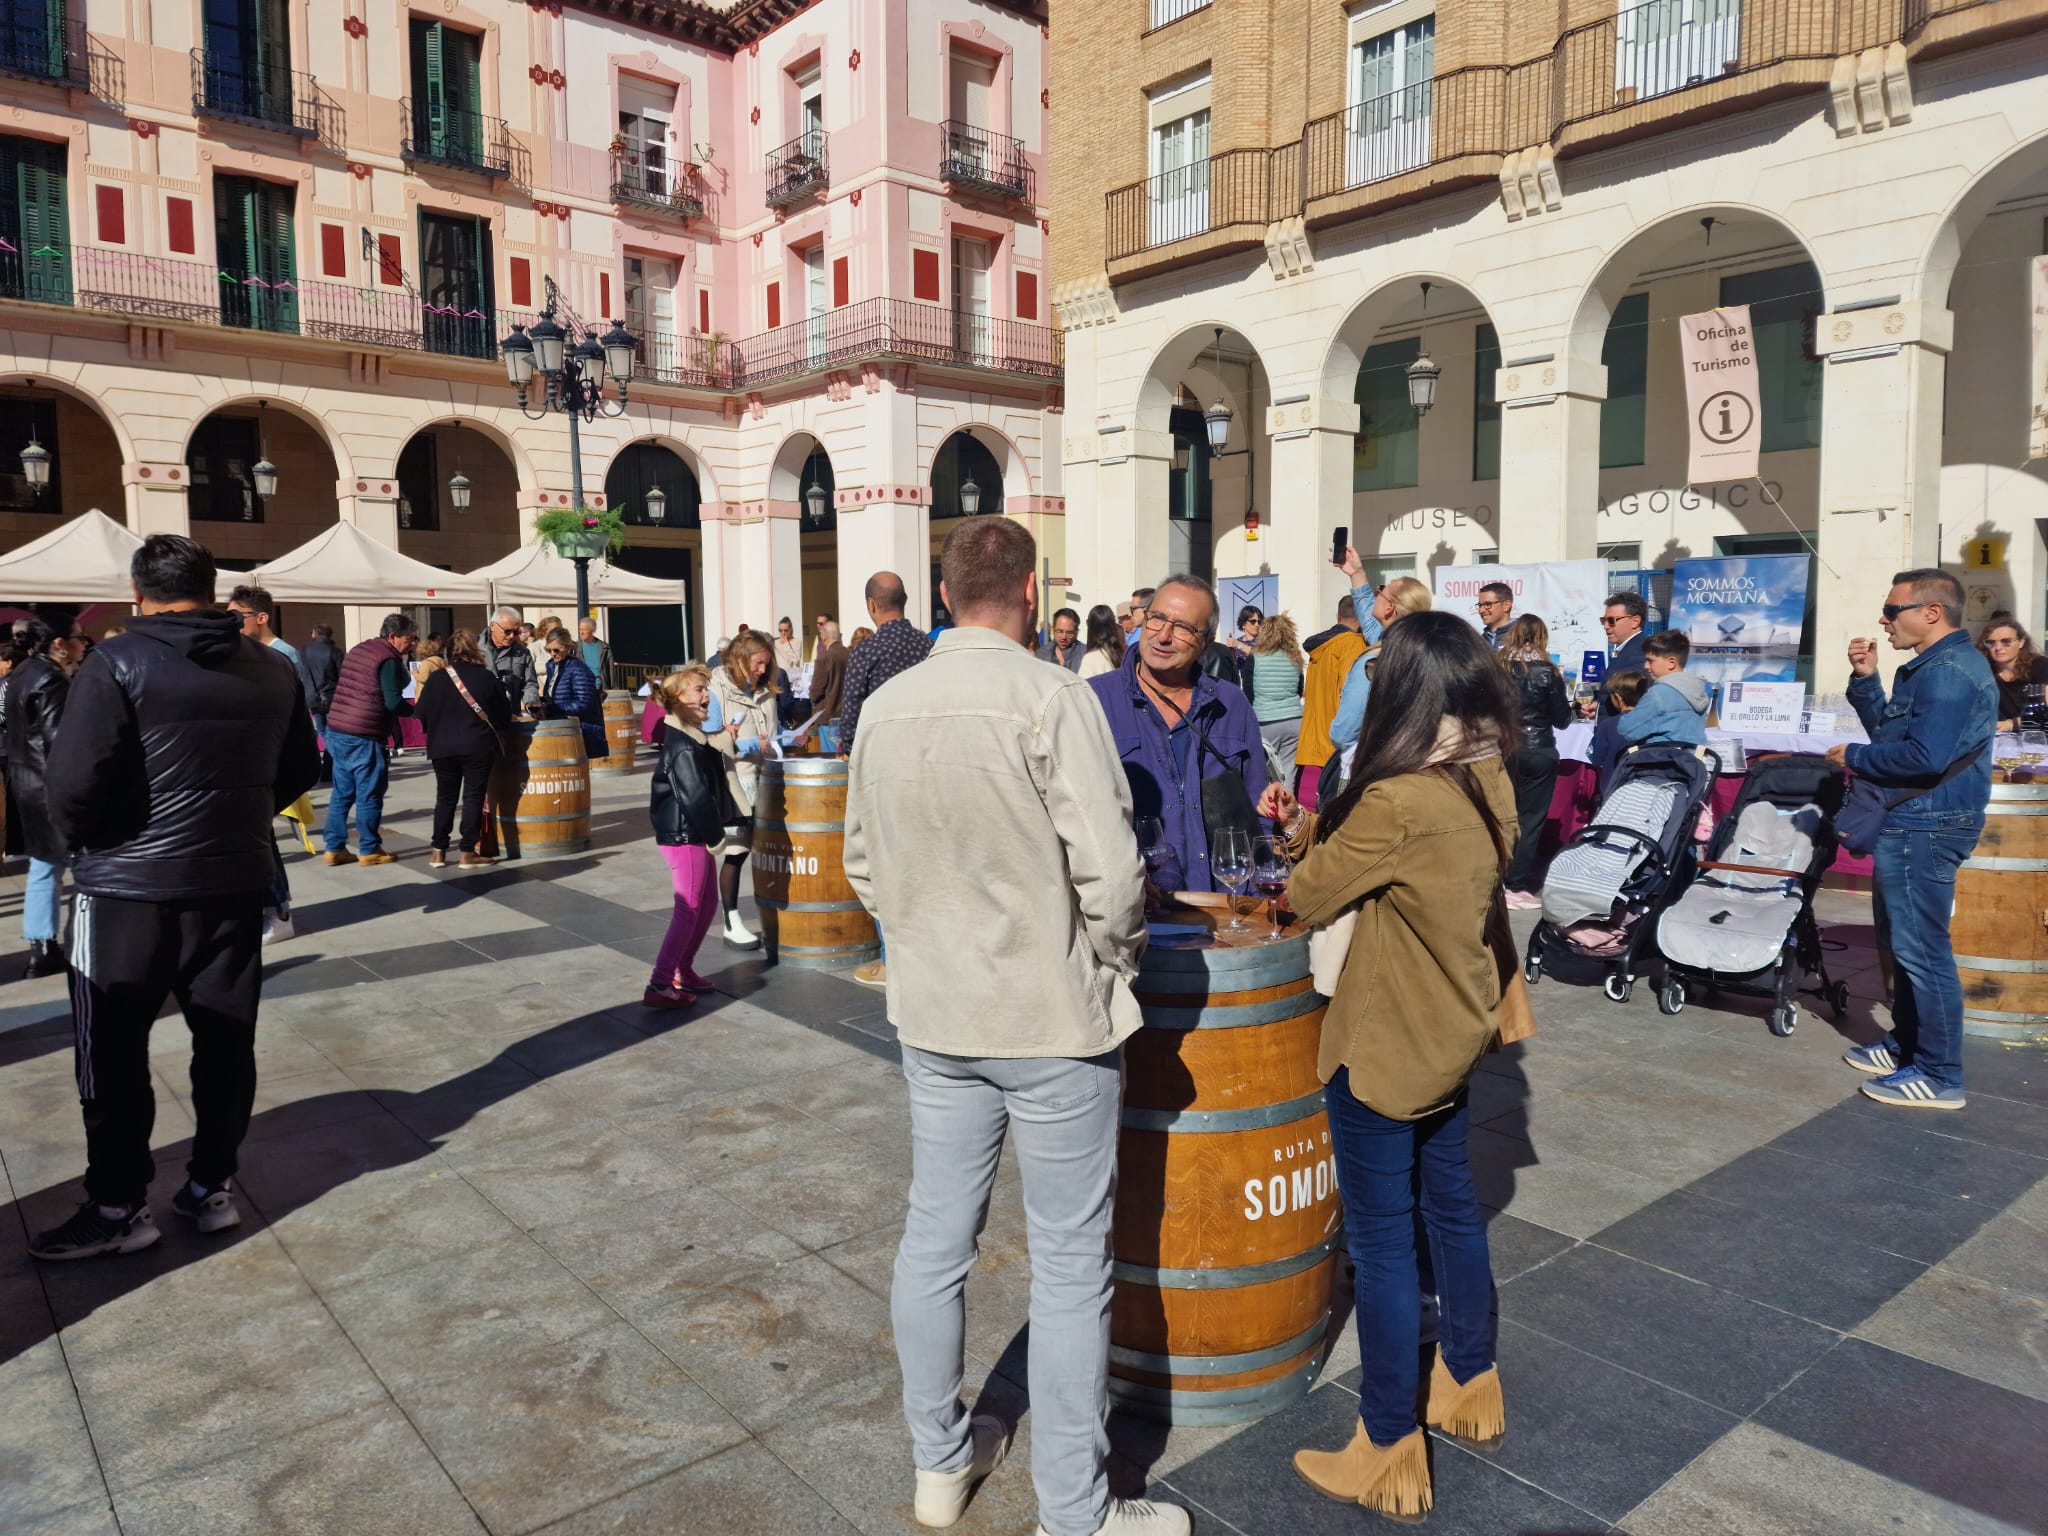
(1674, 711)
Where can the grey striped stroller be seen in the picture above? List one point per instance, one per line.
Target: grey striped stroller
(1623, 867)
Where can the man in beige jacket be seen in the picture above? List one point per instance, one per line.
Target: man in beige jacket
(988, 828)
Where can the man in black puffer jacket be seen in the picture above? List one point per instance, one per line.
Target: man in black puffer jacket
(182, 739)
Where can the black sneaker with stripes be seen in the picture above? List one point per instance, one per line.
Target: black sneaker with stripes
(91, 1232)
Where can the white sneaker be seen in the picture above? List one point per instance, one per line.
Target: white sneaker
(942, 1496)
(738, 934)
(1141, 1517)
(277, 927)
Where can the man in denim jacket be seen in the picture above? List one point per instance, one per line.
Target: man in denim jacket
(1943, 708)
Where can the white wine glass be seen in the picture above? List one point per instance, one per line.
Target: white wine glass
(1231, 863)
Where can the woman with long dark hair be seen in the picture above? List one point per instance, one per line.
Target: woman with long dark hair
(37, 687)
(1105, 642)
(2014, 664)
(1416, 843)
(1545, 708)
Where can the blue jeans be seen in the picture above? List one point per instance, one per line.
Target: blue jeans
(1382, 1164)
(42, 904)
(360, 774)
(1916, 893)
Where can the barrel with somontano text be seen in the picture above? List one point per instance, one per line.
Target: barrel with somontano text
(549, 791)
(1227, 1214)
(2000, 925)
(621, 734)
(809, 915)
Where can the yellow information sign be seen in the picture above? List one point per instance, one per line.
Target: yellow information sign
(1984, 554)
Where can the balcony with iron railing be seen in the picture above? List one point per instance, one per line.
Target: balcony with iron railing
(260, 94)
(1164, 11)
(659, 188)
(973, 159)
(798, 170)
(460, 140)
(37, 46)
(1226, 195)
(900, 328)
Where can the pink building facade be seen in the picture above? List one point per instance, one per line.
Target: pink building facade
(233, 230)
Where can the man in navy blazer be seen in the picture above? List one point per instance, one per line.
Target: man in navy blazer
(1622, 618)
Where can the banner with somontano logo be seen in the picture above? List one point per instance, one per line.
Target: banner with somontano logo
(1566, 594)
(1724, 416)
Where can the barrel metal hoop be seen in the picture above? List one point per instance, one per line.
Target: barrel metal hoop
(1218, 1365)
(1231, 1407)
(1995, 1016)
(808, 906)
(1988, 963)
(1228, 970)
(1237, 1016)
(812, 770)
(2010, 865)
(1226, 1279)
(535, 821)
(1252, 1118)
(2031, 808)
(1197, 983)
(799, 826)
(2007, 793)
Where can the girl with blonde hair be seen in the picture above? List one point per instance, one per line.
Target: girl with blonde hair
(745, 689)
(695, 797)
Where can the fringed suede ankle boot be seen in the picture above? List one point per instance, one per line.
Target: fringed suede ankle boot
(1393, 1482)
(1473, 1413)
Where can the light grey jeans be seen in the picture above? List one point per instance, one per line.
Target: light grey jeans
(1065, 1113)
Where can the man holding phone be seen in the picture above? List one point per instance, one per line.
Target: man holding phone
(1930, 751)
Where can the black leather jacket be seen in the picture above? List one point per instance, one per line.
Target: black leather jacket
(36, 691)
(1544, 704)
(181, 740)
(691, 800)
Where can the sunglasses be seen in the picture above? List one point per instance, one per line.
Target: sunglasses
(1609, 623)
(1893, 610)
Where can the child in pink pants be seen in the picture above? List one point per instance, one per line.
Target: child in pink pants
(691, 804)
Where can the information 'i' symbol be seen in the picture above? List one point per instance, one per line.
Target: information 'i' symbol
(1726, 417)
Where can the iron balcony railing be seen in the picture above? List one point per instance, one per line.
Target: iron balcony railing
(465, 141)
(982, 161)
(902, 328)
(701, 362)
(1164, 11)
(663, 188)
(34, 45)
(1662, 46)
(1221, 192)
(248, 91)
(798, 170)
(39, 276)
(1421, 125)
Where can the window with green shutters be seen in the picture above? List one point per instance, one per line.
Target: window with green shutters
(455, 285)
(252, 232)
(1485, 408)
(1384, 454)
(1784, 305)
(447, 93)
(32, 37)
(35, 221)
(1625, 354)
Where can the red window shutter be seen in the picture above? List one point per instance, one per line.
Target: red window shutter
(1027, 295)
(774, 305)
(333, 251)
(604, 293)
(522, 282)
(390, 261)
(924, 275)
(704, 310)
(178, 226)
(839, 283)
(111, 215)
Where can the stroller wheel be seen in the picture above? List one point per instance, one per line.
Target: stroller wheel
(1617, 986)
(1838, 998)
(1784, 1019)
(1532, 970)
(1671, 996)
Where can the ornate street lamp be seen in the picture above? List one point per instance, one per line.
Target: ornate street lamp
(1216, 419)
(35, 463)
(1423, 373)
(814, 504)
(657, 503)
(970, 497)
(458, 491)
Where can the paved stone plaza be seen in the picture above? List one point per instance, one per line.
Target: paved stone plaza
(519, 1255)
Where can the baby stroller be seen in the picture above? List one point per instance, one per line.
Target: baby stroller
(1746, 922)
(1624, 866)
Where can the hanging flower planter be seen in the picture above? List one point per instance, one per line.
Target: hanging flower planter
(582, 532)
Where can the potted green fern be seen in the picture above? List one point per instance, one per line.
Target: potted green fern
(582, 532)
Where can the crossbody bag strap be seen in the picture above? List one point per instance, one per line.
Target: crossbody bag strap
(1188, 717)
(468, 698)
(1954, 768)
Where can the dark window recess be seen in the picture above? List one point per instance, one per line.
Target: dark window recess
(21, 419)
(655, 636)
(642, 467)
(219, 460)
(252, 227)
(35, 219)
(419, 486)
(1485, 408)
(455, 286)
(447, 95)
(1785, 304)
(1625, 354)
(961, 458)
(247, 62)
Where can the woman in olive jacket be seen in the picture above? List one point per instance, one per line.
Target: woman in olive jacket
(1416, 843)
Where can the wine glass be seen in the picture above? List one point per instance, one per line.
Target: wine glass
(1269, 879)
(1231, 863)
(1154, 849)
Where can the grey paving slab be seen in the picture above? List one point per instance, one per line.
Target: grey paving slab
(1928, 1154)
(367, 1473)
(741, 1492)
(677, 1243)
(828, 1189)
(534, 1437)
(1574, 1195)
(47, 1465)
(95, 1519)
(1971, 1327)
(2011, 1249)
(1847, 1202)
(539, 1179)
(387, 1222)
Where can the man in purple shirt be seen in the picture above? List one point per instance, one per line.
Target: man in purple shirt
(1175, 726)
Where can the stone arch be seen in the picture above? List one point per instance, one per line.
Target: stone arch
(1001, 446)
(786, 471)
(337, 445)
(485, 426)
(1186, 350)
(30, 379)
(1966, 213)
(698, 465)
(1396, 300)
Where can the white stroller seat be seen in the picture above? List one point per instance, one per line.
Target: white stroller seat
(1586, 879)
(1735, 921)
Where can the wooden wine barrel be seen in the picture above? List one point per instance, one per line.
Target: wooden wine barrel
(546, 789)
(2000, 925)
(810, 916)
(1228, 1221)
(622, 732)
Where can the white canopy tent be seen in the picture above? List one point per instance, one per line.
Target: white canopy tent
(82, 561)
(345, 565)
(534, 574)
